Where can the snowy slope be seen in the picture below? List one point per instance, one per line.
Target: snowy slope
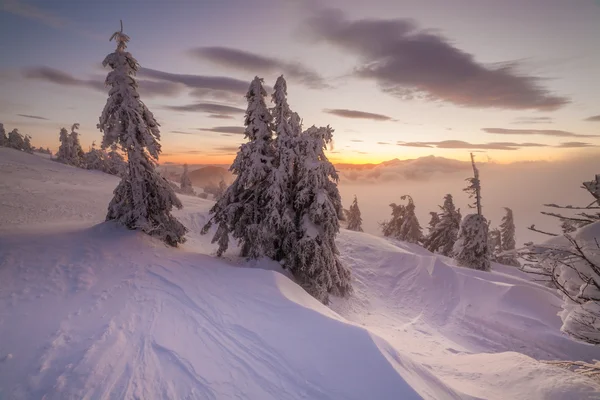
(89, 310)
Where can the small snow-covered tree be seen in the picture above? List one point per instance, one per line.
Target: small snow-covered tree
(441, 238)
(64, 150)
(241, 211)
(186, 182)
(76, 152)
(471, 248)
(494, 244)
(354, 217)
(3, 137)
(143, 199)
(314, 259)
(507, 228)
(15, 140)
(27, 144)
(94, 159)
(404, 224)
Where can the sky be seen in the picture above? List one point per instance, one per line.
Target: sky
(512, 80)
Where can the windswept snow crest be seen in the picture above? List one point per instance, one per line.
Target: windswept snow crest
(89, 310)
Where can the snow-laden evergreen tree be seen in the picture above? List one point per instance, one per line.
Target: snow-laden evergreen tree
(64, 150)
(280, 210)
(444, 234)
(494, 244)
(116, 164)
(76, 152)
(354, 217)
(186, 182)
(94, 159)
(27, 144)
(404, 224)
(242, 210)
(314, 259)
(3, 137)
(15, 140)
(143, 199)
(507, 228)
(433, 221)
(471, 249)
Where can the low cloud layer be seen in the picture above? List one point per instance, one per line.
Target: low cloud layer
(408, 62)
(257, 64)
(532, 120)
(355, 114)
(238, 130)
(33, 117)
(541, 132)
(459, 144)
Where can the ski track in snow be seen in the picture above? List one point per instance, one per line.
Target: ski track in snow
(91, 311)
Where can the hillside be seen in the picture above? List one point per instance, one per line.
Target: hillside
(208, 175)
(89, 310)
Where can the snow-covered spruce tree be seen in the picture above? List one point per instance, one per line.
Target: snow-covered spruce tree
(94, 159)
(494, 243)
(404, 224)
(241, 211)
(314, 259)
(3, 137)
(27, 144)
(281, 218)
(15, 140)
(116, 164)
(433, 221)
(507, 228)
(143, 199)
(186, 182)
(471, 249)
(354, 217)
(76, 152)
(444, 234)
(64, 150)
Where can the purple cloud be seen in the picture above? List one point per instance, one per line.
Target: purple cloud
(32, 117)
(210, 108)
(344, 113)
(408, 62)
(237, 130)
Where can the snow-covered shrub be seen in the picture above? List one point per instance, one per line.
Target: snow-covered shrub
(354, 218)
(15, 140)
(143, 199)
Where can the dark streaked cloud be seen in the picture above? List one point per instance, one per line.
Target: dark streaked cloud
(228, 149)
(211, 108)
(182, 132)
(238, 130)
(357, 140)
(409, 62)
(249, 62)
(383, 143)
(532, 120)
(542, 132)
(147, 88)
(32, 117)
(357, 114)
(220, 116)
(214, 83)
(594, 118)
(573, 145)
(460, 144)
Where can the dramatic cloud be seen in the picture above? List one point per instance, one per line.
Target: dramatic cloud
(147, 88)
(32, 116)
(532, 120)
(594, 118)
(573, 145)
(459, 144)
(408, 62)
(543, 132)
(214, 83)
(254, 63)
(31, 12)
(238, 130)
(210, 108)
(357, 114)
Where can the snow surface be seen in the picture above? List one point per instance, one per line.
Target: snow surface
(89, 310)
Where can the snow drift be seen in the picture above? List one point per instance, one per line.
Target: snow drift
(89, 310)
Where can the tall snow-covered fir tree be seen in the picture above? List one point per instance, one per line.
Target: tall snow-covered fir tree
(15, 140)
(354, 217)
(75, 147)
(314, 260)
(64, 150)
(507, 231)
(280, 212)
(186, 183)
(3, 137)
(441, 238)
(471, 249)
(433, 221)
(404, 224)
(143, 199)
(242, 210)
